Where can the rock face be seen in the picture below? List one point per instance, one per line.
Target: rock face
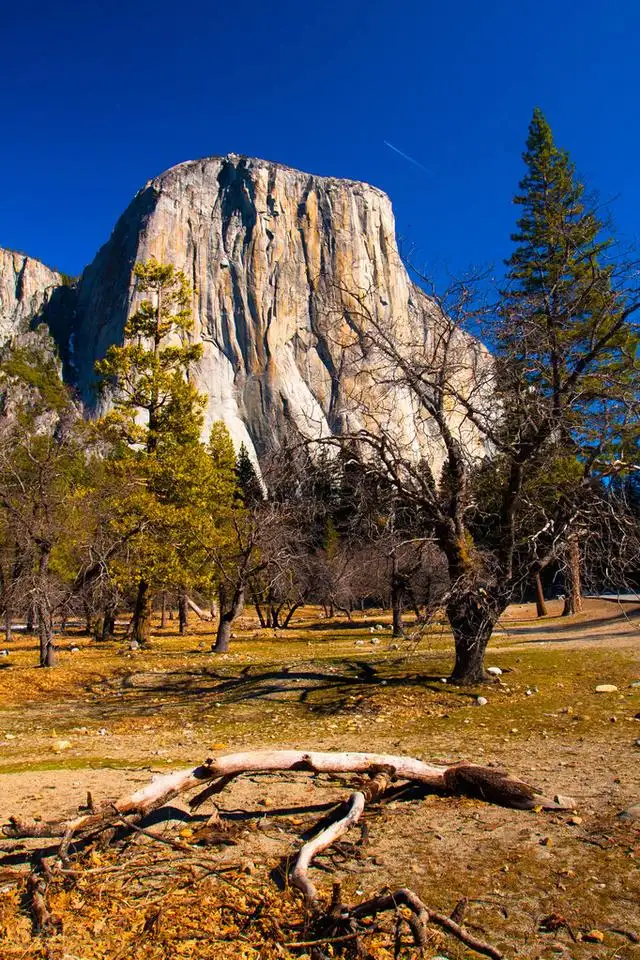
(26, 286)
(281, 262)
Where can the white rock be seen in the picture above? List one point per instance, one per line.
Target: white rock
(61, 745)
(25, 287)
(379, 627)
(606, 688)
(267, 358)
(494, 671)
(481, 701)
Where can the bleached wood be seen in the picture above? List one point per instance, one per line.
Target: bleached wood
(456, 778)
(299, 875)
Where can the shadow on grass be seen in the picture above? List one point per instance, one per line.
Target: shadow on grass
(345, 687)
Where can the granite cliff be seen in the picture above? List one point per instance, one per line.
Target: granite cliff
(26, 287)
(277, 259)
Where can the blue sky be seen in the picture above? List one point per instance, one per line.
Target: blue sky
(98, 98)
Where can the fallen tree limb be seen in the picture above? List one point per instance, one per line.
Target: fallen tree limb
(338, 923)
(199, 612)
(299, 875)
(462, 779)
(422, 916)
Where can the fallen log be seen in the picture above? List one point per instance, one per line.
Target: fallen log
(340, 923)
(199, 612)
(464, 779)
(299, 874)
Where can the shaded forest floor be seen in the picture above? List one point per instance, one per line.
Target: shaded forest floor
(109, 718)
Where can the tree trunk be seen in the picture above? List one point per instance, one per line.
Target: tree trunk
(541, 607)
(183, 613)
(141, 622)
(8, 625)
(398, 586)
(163, 610)
(227, 617)
(108, 623)
(88, 625)
(573, 598)
(30, 618)
(472, 621)
(45, 629)
(199, 612)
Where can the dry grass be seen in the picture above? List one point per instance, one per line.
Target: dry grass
(324, 685)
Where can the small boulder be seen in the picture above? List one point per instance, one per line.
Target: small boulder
(593, 936)
(606, 688)
(481, 701)
(631, 813)
(494, 671)
(61, 745)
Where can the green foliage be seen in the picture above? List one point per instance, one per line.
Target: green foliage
(184, 491)
(30, 375)
(248, 483)
(149, 372)
(568, 351)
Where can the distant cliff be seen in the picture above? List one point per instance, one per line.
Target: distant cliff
(26, 286)
(274, 256)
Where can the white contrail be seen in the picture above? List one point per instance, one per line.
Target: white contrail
(406, 156)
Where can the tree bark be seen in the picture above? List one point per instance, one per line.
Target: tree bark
(31, 613)
(227, 617)
(8, 624)
(199, 612)
(573, 598)
(398, 587)
(183, 613)
(472, 620)
(163, 610)
(45, 630)
(141, 622)
(541, 607)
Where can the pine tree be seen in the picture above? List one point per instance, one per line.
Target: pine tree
(248, 482)
(563, 320)
(186, 489)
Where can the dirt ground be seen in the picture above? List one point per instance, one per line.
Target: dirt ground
(546, 885)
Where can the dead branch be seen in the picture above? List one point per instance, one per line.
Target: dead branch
(461, 779)
(421, 917)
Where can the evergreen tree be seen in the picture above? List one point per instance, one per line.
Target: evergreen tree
(186, 489)
(564, 340)
(248, 482)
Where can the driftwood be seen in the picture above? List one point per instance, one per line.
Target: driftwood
(339, 923)
(465, 779)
